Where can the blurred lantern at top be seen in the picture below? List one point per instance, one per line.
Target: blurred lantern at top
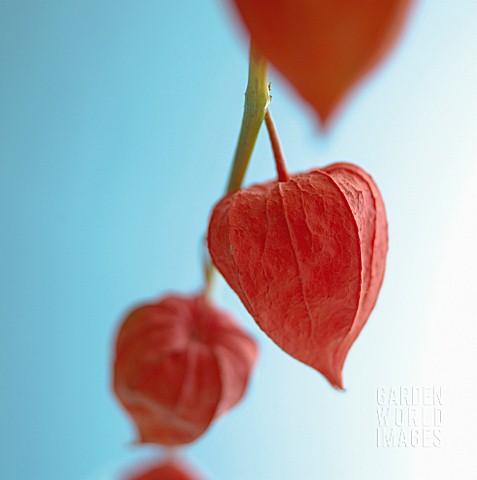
(324, 47)
(180, 363)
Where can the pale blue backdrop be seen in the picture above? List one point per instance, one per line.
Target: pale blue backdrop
(118, 121)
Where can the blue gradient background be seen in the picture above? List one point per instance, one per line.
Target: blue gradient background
(118, 122)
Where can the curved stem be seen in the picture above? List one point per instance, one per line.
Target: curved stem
(257, 100)
(208, 270)
(277, 149)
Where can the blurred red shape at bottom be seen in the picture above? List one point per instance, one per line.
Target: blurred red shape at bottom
(171, 469)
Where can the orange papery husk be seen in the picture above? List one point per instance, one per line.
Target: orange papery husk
(179, 364)
(324, 48)
(306, 257)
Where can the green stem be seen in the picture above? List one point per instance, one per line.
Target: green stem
(257, 100)
(209, 271)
